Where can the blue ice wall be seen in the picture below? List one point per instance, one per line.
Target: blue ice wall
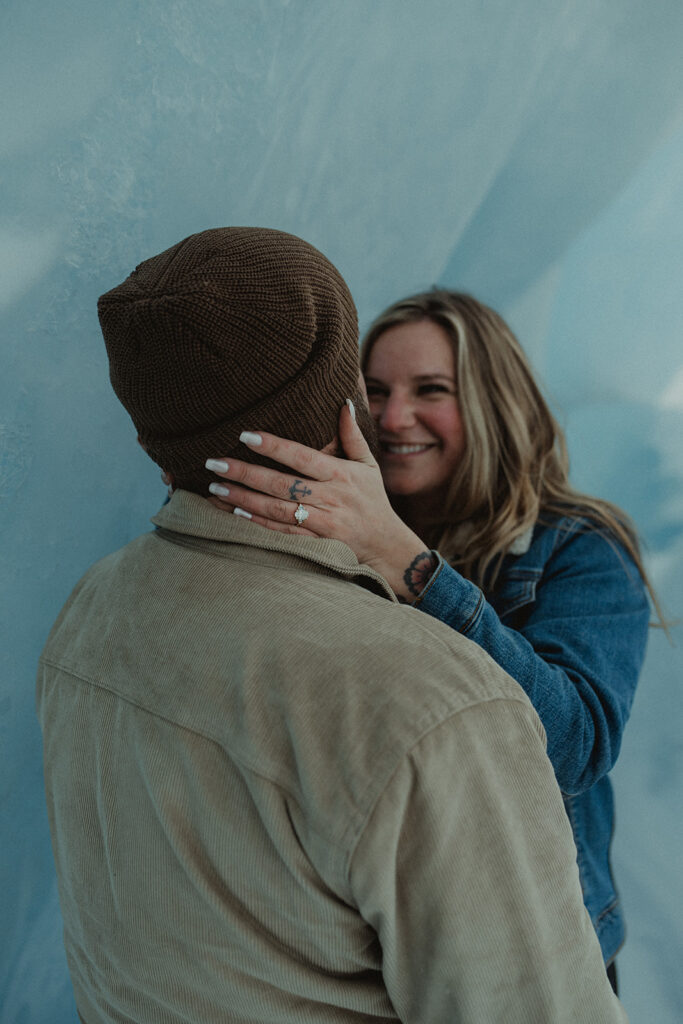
(530, 152)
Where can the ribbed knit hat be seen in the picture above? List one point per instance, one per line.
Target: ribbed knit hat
(231, 329)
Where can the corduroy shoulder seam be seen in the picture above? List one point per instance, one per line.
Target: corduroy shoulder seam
(354, 840)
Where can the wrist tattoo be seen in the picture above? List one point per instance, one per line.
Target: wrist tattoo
(299, 490)
(418, 572)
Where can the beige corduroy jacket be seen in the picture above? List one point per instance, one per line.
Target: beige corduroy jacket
(276, 795)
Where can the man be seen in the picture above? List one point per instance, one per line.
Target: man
(275, 794)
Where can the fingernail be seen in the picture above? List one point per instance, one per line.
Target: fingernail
(352, 409)
(219, 489)
(241, 512)
(248, 438)
(216, 466)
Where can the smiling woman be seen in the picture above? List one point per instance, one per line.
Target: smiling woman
(480, 528)
(505, 451)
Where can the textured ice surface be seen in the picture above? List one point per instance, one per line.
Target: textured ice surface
(530, 152)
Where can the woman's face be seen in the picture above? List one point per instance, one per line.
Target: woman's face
(410, 378)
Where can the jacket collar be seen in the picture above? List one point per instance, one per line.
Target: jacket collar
(196, 522)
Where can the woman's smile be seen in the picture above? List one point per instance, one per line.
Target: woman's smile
(390, 448)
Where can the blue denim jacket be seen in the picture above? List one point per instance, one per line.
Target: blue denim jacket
(568, 620)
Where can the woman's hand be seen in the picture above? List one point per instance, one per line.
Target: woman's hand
(345, 500)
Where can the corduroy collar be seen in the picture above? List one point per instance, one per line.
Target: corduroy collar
(190, 516)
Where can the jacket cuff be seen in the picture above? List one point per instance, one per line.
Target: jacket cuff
(451, 598)
(430, 582)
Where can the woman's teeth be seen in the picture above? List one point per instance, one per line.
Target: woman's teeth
(406, 449)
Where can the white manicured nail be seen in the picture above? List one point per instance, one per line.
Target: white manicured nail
(219, 489)
(241, 512)
(246, 437)
(216, 466)
(352, 409)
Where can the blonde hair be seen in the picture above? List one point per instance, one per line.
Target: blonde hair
(515, 469)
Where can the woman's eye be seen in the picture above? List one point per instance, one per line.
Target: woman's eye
(433, 389)
(374, 391)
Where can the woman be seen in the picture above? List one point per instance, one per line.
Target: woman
(482, 530)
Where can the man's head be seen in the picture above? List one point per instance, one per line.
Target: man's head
(229, 330)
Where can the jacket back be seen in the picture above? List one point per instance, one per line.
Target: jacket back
(276, 795)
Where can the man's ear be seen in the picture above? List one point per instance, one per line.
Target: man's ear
(333, 448)
(166, 477)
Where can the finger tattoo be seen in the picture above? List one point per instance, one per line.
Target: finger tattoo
(299, 490)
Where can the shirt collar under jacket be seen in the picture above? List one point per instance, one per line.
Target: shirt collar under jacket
(521, 544)
(193, 521)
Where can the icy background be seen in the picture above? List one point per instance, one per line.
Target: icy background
(529, 152)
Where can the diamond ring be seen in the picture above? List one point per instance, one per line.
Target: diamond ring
(301, 515)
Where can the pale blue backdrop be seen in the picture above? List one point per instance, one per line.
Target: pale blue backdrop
(531, 152)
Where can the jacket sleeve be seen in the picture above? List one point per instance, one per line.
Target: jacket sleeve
(467, 872)
(578, 654)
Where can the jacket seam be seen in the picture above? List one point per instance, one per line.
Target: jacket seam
(239, 759)
(473, 617)
(353, 831)
(608, 909)
(363, 825)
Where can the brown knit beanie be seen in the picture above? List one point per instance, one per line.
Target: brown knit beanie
(231, 329)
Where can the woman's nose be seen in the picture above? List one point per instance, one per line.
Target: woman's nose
(397, 413)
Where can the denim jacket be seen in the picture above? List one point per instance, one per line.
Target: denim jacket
(568, 620)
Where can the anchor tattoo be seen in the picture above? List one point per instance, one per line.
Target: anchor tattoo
(297, 492)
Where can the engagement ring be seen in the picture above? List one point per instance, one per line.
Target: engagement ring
(301, 515)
